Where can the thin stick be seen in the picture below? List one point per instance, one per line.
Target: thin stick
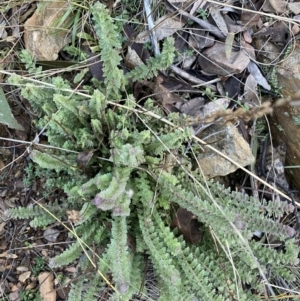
(149, 17)
(199, 82)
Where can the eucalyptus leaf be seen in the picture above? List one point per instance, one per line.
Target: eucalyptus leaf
(6, 116)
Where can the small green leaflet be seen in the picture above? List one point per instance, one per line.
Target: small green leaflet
(6, 116)
(228, 44)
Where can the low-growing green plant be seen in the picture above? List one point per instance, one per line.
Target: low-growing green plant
(124, 169)
(202, 13)
(29, 295)
(38, 266)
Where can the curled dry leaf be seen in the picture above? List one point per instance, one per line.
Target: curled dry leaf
(232, 26)
(2, 164)
(188, 62)
(203, 23)
(139, 48)
(95, 66)
(6, 116)
(260, 79)
(2, 230)
(3, 32)
(132, 58)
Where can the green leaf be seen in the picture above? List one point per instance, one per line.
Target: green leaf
(84, 36)
(6, 116)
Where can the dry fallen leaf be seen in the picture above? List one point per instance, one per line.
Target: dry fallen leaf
(8, 255)
(249, 19)
(250, 90)
(219, 20)
(200, 39)
(213, 60)
(193, 107)
(260, 79)
(164, 95)
(51, 234)
(83, 158)
(164, 27)
(275, 6)
(2, 225)
(32, 285)
(132, 58)
(228, 44)
(247, 36)
(2, 165)
(187, 225)
(3, 244)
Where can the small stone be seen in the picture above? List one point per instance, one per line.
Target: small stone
(47, 291)
(14, 296)
(227, 139)
(24, 276)
(22, 269)
(40, 39)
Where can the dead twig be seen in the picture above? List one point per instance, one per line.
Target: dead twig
(194, 79)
